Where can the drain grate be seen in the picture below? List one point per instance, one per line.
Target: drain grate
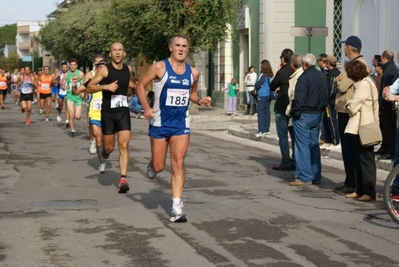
(65, 203)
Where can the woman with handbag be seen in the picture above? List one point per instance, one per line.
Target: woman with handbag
(364, 124)
(262, 87)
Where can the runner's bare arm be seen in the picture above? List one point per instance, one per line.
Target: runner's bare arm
(155, 71)
(194, 97)
(82, 88)
(55, 77)
(34, 82)
(101, 74)
(63, 83)
(131, 84)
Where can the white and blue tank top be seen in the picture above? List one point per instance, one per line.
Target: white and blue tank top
(172, 98)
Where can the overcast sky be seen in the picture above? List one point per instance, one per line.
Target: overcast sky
(25, 10)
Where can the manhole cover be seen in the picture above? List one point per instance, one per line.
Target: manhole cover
(65, 203)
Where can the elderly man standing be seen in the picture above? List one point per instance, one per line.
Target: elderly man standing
(311, 98)
(296, 66)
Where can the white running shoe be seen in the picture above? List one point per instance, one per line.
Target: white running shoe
(46, 120)
(102, 168)
(177, 214)
(92, 147)
(59, 118)
(262, 134)
(150, 171)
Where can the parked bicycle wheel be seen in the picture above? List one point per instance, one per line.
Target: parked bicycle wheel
(391, 193)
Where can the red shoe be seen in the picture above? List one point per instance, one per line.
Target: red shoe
(123, 186)
(27, 122)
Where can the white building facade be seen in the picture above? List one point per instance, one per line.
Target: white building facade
(25, 39)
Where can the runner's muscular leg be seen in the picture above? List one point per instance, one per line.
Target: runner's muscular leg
(48, 106)
(98, 135)
(159, 148)
(28, 108)
(41, 103)
(70, 105)
(178, 150)
(109, 143)
(123, 144)
(60, 105)
(22, 104)
(66, 109)
(78, 112)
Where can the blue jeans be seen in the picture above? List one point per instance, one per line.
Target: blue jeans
(250, 98)
(134, 110)
(264, 114)
(282, 133)
(307, 149)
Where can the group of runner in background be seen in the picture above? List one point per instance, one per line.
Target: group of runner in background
(41, 87)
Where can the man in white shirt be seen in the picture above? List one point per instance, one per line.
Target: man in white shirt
(250, 80)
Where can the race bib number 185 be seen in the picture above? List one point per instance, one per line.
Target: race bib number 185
(177, 97)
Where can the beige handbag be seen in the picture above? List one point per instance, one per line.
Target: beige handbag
(342, 99)
(370, 134)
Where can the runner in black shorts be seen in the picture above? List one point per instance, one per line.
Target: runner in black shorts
(114, 80)
(27, 91)
(112, 122)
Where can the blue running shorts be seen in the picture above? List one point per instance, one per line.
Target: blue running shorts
(166, 132)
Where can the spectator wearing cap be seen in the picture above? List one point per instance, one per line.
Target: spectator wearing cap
(311, 97)
(345, 90)
(387, 113)
(330, 120)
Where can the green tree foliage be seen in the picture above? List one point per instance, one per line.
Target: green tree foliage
(143, 26)
(11, 62)
(8, 34)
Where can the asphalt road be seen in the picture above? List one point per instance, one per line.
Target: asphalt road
(56, 210)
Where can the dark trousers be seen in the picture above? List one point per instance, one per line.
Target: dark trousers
(330, 124)
(350, 150)
(388, 128)
(366, 172)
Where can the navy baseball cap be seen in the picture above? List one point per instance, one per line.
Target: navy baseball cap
(353, 41)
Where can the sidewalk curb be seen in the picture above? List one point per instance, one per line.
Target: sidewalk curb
(248, 132)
